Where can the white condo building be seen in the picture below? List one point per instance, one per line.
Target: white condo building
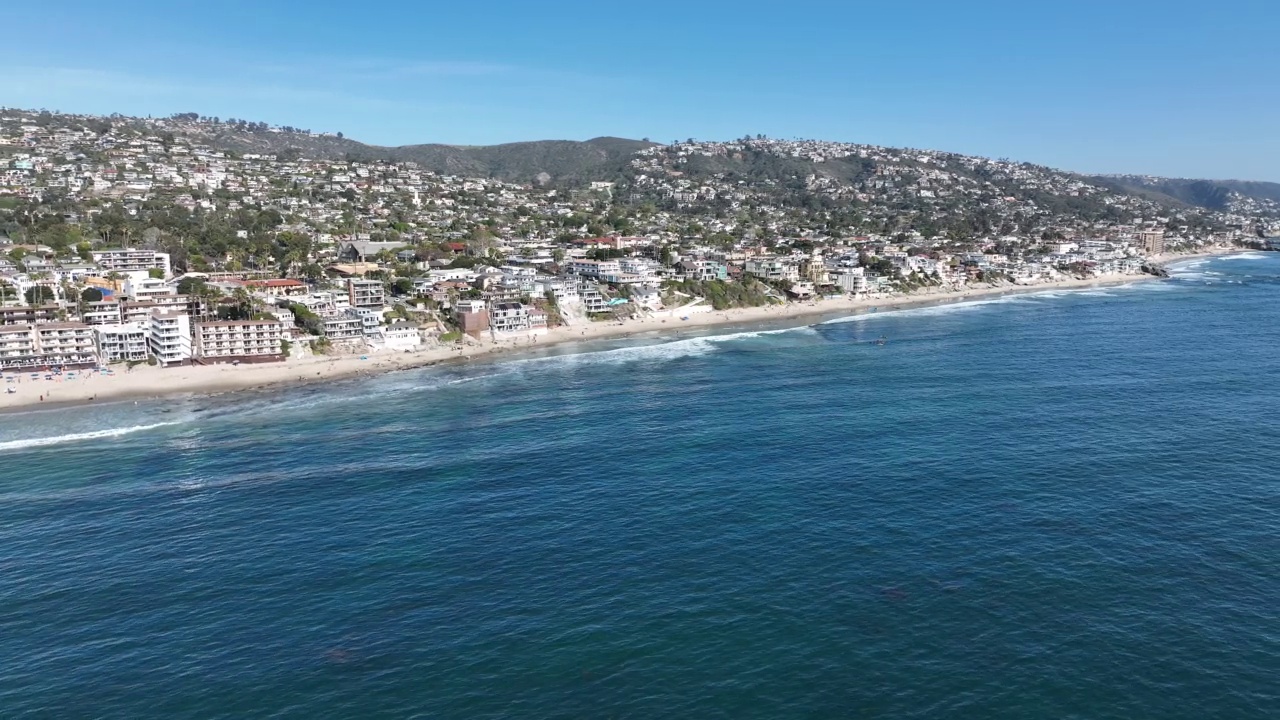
(169, 337)
(122, 342)
(131, 260)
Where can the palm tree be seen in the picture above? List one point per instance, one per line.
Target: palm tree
(244, 303)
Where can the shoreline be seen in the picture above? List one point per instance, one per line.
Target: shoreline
(149, 383)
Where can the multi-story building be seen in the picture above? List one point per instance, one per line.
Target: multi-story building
(342, 327)
(595, 268)
(102, 312)
(473, 317)
(366, 293)
(851, 280)
(251, 340)
(148, 289)
(122, 342)
(642, 268)
(17, 347)
(370, 320)
(29, 315)
(705, 270)
(537, 320)
(1152, 241)
(510, 317)
(565, 291)
(132, 260)
(48, 345)
(169, 337)
(592, 299)
(774, 269)
(143, 309)
(398, 335)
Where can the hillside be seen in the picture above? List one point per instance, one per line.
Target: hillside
(545, 161)
(559, 161)
(859, 169)
(1220, 195)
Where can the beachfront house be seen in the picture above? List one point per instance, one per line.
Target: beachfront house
(398, 335)
(472, 317)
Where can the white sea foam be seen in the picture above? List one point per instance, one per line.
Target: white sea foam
(78, 437)
(440, 383)
(656, 352)
(946, 309)
(1244, 256)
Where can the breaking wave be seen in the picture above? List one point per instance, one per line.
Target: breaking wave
(77, 437)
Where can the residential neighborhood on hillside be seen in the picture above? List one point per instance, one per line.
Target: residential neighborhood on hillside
(129, 240)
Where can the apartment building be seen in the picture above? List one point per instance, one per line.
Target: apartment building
(28, 315)
(102, 312)
(133, 260)
(122, 342)
(1152, 241)
(366, 293)
(48, 345)
(141, 311)
(17, 347)
(169, 337)
(250, 340)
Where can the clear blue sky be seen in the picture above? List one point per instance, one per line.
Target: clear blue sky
(1174, 88)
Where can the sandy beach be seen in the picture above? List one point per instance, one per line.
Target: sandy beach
(149, 382)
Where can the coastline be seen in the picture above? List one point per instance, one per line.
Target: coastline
(145, 382)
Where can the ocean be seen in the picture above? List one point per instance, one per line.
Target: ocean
(1056, 504)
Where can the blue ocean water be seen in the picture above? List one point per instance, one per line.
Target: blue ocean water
(1048, 505)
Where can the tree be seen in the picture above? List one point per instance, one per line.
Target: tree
(40, 295)
(156, 273)
(242, 309)
(193, 286)
(92, 294)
